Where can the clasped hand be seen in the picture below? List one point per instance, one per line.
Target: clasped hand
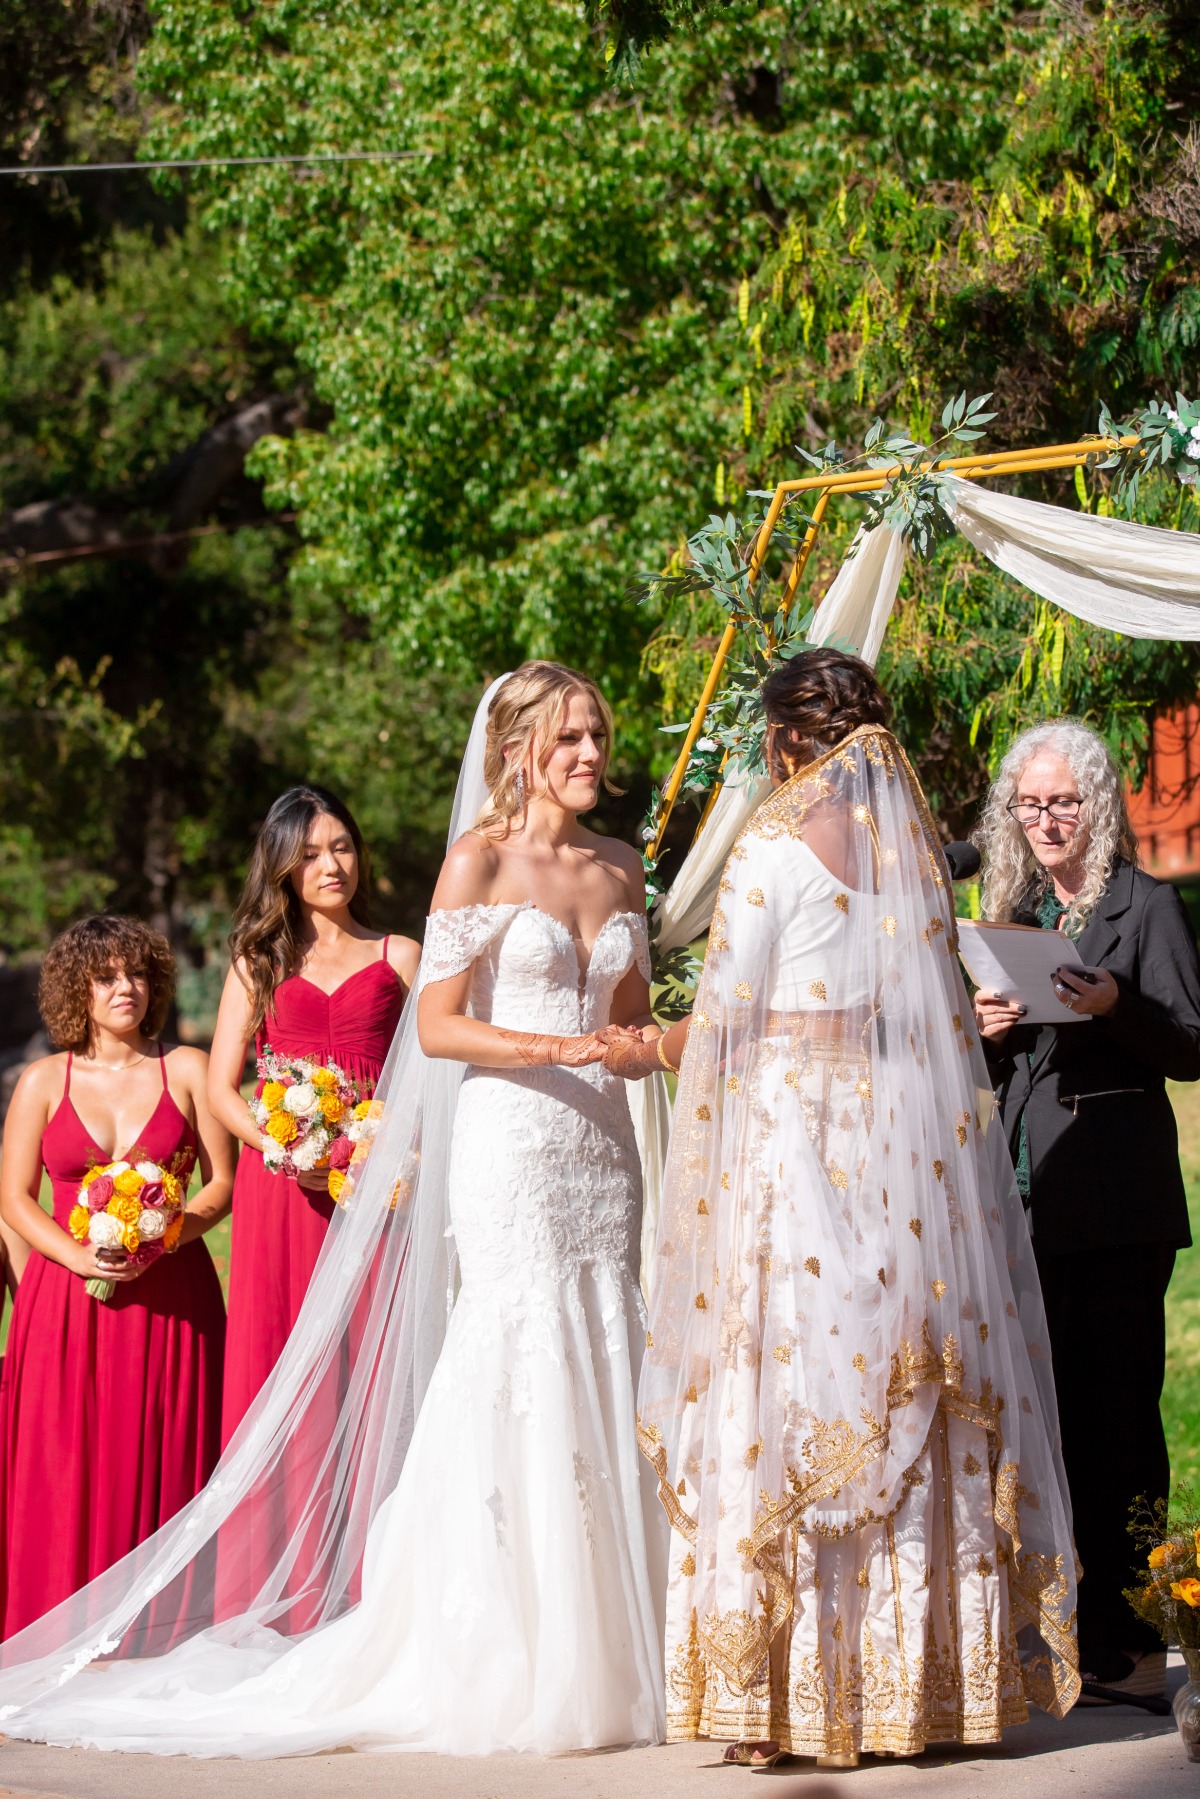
(624, 1049)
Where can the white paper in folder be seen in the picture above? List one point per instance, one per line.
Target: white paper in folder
(1018, 961)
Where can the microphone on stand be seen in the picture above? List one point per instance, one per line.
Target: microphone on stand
(962, 859)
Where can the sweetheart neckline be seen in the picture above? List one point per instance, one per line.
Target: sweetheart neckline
(532, 906)
(332, 992)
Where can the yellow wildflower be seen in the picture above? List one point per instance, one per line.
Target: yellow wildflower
(272, 1095)
(281, 1126)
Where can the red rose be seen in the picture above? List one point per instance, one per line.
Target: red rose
(340, 1152)
(152, 1194)
(99, 1192)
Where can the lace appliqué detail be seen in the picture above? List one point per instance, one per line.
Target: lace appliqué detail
(455, 939)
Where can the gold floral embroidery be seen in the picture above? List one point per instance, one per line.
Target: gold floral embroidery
(704, 1114)
(837, 1177)
(755, 897)
(649, 1341)
(859, 1361)
(742, 990)
(983, 1333)
(960, 1131)
(914, 1225)
(939, 1289)
(687, 1566)
(701, 1303)
(842, 902)
(983, 1567)
(817, 989)
(970, 1465)
(812, 1265)
(956, 1021)
(702, 1209)
(782, 1352)
(938, 1170)
(725, 1182)
(889, 925)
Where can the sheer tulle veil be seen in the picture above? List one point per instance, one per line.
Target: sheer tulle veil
(273, 1546)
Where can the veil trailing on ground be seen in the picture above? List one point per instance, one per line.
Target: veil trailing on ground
(843, 1270)
(273, 1546)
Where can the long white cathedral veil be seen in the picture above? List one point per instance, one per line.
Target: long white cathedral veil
(273, 1546)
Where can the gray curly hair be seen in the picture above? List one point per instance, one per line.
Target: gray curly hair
(1010, 867)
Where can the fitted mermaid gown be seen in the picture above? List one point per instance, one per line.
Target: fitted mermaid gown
(512, 1580)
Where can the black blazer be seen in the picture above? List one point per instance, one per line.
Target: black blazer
(1104, 1153)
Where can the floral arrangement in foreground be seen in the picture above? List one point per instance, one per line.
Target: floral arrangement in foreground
(134, 1206)
(1168, 1593)
(311, 1115)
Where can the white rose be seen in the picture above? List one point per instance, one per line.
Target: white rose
(306, 1155)
(104, 1231)
(116, 1168)
(300, 1100)
(151, 1224)
(149, 1171)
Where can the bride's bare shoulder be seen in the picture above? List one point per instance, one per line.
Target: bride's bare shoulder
(468, 876)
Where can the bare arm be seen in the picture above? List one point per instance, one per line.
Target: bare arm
(217, 1153)
(227, 1062)
(37, 1093)
(404, 956)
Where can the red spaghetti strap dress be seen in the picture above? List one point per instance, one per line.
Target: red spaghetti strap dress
(278, 1228)
(110, 1410)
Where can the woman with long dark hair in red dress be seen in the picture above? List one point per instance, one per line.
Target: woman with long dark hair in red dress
(309, 978)
(109, 1409)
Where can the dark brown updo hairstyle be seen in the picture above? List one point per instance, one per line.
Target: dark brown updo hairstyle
(89, 949)
(816, 699)
(267, 924)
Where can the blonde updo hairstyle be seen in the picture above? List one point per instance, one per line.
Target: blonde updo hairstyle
(528, 710)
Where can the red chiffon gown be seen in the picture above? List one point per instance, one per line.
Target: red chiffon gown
(278, 1228)
(110, 1410)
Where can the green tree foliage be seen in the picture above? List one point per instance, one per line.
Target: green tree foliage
(583, 310)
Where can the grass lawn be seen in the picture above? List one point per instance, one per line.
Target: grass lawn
(1181, 1397)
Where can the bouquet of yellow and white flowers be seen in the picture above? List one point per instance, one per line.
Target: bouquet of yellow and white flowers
(1168, 1594)
(311, 1115)
(134, 1206)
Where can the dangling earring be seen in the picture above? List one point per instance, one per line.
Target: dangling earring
(520, 790)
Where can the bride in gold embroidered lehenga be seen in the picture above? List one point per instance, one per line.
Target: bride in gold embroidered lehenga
(847, 1393)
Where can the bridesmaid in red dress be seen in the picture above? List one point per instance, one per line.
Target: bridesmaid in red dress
(309, 978)
(109, 1409)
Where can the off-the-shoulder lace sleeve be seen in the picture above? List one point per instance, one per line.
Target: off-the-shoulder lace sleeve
(641, 942)
(455, 939)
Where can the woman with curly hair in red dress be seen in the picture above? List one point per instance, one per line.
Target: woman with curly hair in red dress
(109, 1408)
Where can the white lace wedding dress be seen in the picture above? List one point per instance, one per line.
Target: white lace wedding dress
(512, 1581)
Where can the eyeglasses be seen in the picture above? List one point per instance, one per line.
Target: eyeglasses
(1028, 812)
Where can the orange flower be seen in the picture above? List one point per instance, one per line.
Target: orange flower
(129, 1184)
(281, 1126)
(1188, 1590)
(272, 1095)
(172, 1233)
(1157, 1557)
(77, 1223)
(172, 1189)
(337, 1180)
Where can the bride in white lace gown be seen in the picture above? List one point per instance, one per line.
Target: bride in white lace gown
(510, 1585)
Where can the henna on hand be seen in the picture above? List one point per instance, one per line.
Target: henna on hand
(631, 1056)
(540, 1050)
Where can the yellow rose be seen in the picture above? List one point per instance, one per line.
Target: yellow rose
(124, 1207)
(337, 1180)
(1188, 1590)
(77, 1223)
(1157, 1557)
(331, 1108)
(369, 1108)
(281, 1126)
(272, 1095)
(91, 1174)
(130, 1241)
(129, 1184)
(324, 1080)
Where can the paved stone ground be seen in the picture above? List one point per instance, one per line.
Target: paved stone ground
(1100, 1753)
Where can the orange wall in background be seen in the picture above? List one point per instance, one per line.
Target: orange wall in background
(1166, 813)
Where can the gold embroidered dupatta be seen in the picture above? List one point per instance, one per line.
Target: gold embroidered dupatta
(843, 1261)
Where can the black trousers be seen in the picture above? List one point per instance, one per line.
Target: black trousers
(1105, 1310)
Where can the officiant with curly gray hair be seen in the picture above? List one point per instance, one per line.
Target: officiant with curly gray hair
(1093, 1139)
